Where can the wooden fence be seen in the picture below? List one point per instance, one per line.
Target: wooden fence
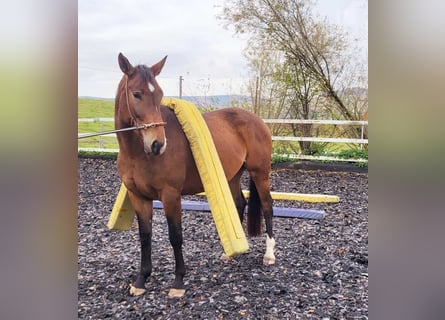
(362, 141)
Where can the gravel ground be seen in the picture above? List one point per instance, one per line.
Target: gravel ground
(321, 270)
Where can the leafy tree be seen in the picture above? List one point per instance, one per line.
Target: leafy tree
(297, 55)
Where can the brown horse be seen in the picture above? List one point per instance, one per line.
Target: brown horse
(156, 163)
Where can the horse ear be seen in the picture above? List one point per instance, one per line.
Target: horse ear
(156, 68)
(125, 65)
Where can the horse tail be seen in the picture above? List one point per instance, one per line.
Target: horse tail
(253, 211)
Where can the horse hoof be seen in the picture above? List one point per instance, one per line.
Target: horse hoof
(267, 261)
(136, 291)
(176, 293)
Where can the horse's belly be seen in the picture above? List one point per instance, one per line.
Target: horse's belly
(232, 160)
(192, 182)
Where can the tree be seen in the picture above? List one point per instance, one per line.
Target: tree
(278, 90)
(311, 51)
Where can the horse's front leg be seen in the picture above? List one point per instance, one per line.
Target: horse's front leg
(173, 212)
(144, 213)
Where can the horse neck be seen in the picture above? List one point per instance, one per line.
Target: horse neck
(119, 107)
(127, 140)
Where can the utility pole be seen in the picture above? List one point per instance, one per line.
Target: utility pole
(255, 103)
(180, 86)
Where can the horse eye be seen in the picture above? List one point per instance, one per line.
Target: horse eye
(137, 95)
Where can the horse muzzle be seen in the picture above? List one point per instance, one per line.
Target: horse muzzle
(156, 147)
(154, 141)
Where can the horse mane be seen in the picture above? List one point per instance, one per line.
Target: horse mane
(144, 72)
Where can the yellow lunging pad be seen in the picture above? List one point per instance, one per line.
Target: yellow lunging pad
(218, 193)
(304, 197)
(216, 188)
(123, 213)
(300, 197)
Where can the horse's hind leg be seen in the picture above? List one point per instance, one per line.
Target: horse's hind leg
(144, 212)
(237, 194)
(262, 186)
(172, 209)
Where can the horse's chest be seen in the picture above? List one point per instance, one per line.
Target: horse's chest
(142, 187)
(142, 182)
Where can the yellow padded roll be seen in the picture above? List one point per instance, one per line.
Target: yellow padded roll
(122, 215)
(209, 166)
(300, 196)
(304, 197)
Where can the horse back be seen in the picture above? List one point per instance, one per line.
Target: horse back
(240, 135)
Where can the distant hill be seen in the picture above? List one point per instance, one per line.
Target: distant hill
(217, 101)
(95, 98)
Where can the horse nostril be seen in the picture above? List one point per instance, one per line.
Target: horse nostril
(156, 147)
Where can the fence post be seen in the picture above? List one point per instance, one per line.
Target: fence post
(100, 137)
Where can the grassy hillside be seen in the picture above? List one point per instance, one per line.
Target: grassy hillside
(92, 108)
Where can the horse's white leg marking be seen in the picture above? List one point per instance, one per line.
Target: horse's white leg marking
(136, 291)
(176, 293)
(269, 257)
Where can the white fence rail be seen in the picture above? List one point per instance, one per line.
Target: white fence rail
(360, 141)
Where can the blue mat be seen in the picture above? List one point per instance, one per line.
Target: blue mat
(277, 211)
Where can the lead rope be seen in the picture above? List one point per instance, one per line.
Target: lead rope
(142, 126)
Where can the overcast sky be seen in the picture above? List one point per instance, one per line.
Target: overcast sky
(208, 56)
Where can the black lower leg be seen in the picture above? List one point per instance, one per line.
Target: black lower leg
(262, 186)
(145, 271)
(240, 203)
(175, 235)
(269, 223)
(268, 214)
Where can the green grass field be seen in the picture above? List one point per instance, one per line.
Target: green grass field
(93, 108)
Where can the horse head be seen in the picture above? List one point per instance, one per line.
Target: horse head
(143, 99)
